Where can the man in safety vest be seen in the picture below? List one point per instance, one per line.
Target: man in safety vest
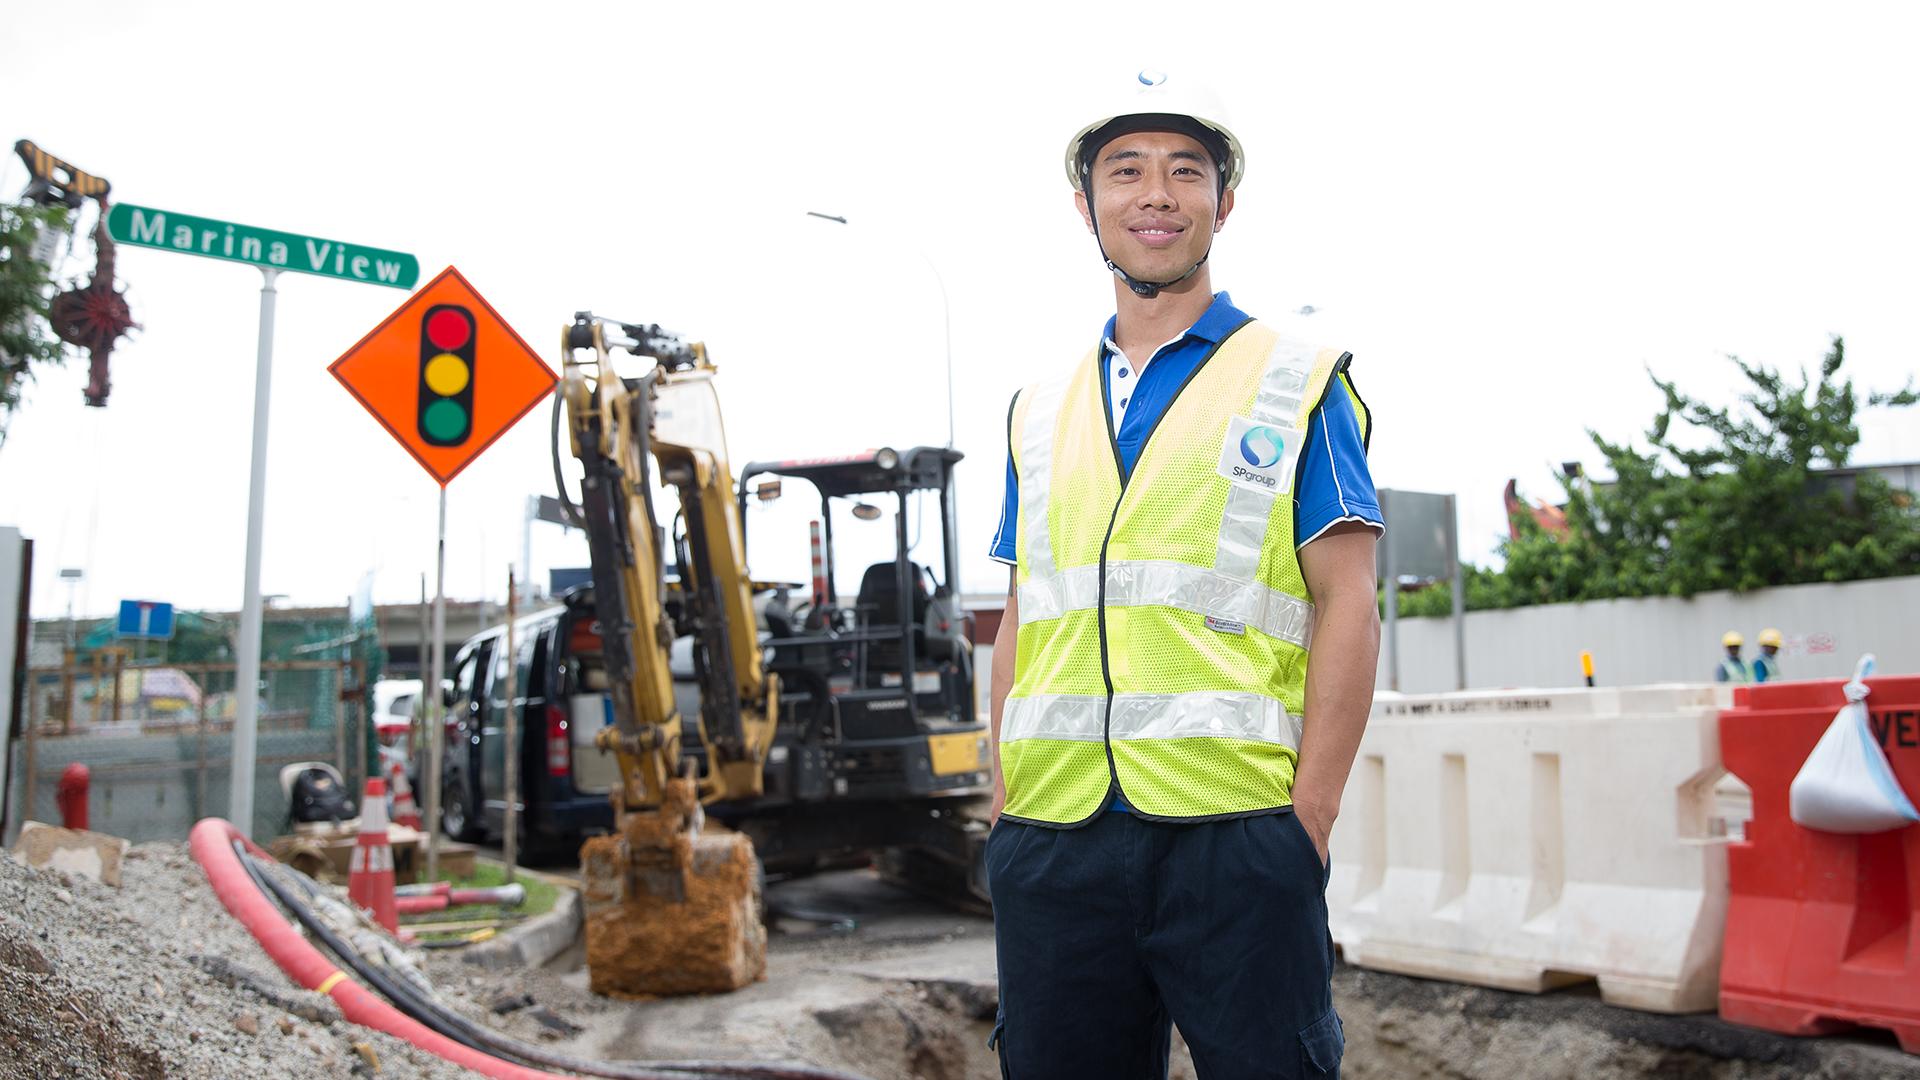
(1187, 508)
(1732, 668)
(1766, 666)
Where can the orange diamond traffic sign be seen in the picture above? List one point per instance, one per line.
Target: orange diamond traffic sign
(445, 375)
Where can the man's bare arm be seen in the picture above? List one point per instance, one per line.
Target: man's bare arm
(1006, 643)
(1339, 570)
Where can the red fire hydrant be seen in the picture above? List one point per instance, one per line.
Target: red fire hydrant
(72, 795)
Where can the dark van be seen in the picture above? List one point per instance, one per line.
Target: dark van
(564, 781)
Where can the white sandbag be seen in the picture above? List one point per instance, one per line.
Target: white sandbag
(1846, 785)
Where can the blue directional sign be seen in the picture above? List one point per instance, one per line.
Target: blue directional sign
(145, 619)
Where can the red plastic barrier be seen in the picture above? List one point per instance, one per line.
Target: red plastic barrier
(72, 795)
(1820, 926)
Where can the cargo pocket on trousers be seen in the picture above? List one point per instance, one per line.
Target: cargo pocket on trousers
(1322, 1045)
(997, 1042)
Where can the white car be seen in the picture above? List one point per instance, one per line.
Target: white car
(394, 704)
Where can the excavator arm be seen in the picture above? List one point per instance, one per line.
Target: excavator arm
(664, 874)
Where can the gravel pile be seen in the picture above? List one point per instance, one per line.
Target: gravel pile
(154, 979)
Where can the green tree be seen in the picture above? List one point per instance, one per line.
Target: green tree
(25, 337)
(1734, 498)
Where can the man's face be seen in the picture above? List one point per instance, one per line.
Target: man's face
(1156, 196)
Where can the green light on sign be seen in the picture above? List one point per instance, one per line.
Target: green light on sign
(444, 421)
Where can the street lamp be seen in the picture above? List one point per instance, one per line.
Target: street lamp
(946, 315)
(72, 575)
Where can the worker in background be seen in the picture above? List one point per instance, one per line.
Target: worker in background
(1766, 666)
(1185, 507)
(1732, 669)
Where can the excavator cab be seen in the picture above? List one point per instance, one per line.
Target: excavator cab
(878, 687)
(880, 749)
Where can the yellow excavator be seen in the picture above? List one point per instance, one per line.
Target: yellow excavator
(876, 748)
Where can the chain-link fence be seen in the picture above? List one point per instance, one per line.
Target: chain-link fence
(157, 736)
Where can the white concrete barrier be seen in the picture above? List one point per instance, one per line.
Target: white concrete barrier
(1525, 839)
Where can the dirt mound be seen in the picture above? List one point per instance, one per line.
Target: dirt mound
(1401, 1028)
(55, 1028)
(154, 979)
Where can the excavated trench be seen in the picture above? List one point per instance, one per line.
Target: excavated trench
(894, 987)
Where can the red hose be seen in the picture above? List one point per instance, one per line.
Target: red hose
(418, 905)
(212, 846)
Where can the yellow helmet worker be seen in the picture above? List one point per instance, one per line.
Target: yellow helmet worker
(1732, 668)
(1766, 666)
(1185, 507)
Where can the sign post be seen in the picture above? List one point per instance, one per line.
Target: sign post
(1422, 542)
(446, 376)
(246, 678)
(511, 844)
(437, 710)
(272, 251)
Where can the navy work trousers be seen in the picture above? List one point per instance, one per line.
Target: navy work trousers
(1110, 933)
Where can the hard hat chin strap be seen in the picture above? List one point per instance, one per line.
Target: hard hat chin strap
(1149, 289)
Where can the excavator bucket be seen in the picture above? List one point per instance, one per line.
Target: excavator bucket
(673, 904)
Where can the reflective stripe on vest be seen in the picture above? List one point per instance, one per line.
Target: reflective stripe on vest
(1204, 592)
(1202, 714)
(1169, 659)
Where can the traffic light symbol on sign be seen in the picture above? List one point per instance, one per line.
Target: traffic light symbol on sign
(446, 375)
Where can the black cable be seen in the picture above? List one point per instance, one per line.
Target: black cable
(477, 1037)
(559, 480)
(464, 1031)
(345, 952)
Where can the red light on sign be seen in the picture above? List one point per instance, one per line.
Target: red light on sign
(447, 330)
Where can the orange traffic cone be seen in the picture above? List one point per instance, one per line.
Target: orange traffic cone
(404, 810)
(370, 873)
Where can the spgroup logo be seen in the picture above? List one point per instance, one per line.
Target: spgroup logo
(1262, 446)
(1260, 456)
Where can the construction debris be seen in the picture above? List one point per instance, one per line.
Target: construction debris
(75, 852)
(118, 984)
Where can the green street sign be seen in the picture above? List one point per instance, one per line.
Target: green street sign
(189, 235)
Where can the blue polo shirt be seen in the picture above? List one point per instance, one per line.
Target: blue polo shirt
(1332, 483)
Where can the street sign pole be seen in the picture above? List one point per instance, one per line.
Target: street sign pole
(272, 251)
(246, 684)
(437, 699)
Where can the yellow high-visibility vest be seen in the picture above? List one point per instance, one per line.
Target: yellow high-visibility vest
(1164, 621)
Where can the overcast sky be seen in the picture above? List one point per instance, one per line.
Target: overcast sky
(1507, 213)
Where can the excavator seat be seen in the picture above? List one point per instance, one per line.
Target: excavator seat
(879, 602)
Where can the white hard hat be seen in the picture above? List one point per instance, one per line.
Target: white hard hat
(1155, 93)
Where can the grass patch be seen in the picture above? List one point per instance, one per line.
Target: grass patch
(541, 896)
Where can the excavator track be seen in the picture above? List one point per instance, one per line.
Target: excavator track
(953, 873)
